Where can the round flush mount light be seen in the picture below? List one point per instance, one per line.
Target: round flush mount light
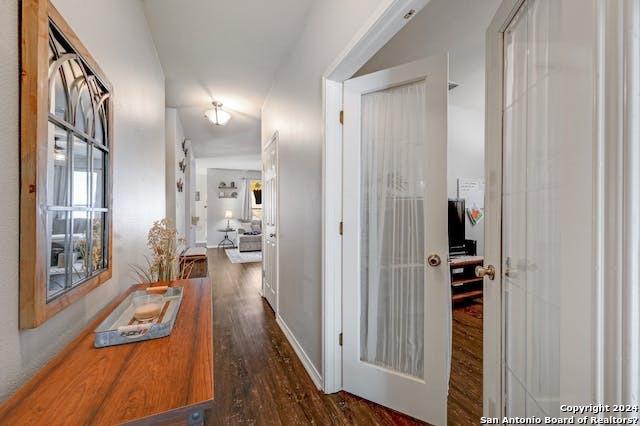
(217, 115)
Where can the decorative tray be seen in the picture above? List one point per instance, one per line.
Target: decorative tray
(122, 327)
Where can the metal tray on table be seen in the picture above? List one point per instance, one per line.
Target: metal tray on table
(121, 327)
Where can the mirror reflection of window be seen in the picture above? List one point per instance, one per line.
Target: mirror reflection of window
(77, 165)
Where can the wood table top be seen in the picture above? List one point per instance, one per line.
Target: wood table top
(149, 381)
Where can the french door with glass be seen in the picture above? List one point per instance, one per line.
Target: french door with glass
(396, 294)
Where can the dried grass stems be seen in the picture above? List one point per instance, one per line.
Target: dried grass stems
(165, 247)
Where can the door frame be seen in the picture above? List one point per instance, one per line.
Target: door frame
(493, 401)
(273, 140)
(383, 24)
(623, 279)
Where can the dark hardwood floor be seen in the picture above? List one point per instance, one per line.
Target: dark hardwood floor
(465, 384)
(260, 380)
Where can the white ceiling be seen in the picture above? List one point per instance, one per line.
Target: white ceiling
(227, 50)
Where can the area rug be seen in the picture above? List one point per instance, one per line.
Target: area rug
(236, 256)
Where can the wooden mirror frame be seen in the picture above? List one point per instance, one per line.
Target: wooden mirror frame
(34, 116)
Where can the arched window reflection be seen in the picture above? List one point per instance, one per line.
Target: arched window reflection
(77, 169)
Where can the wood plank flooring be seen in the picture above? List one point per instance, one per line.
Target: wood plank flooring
(465, 385)
(260, 380)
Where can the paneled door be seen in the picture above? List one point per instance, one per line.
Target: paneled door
(270, 223)
(396, 294)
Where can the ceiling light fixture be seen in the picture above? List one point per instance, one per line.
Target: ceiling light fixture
(217, 115)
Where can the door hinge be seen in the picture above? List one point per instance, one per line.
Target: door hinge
(340, 339)
(341, 228)
(341, 117)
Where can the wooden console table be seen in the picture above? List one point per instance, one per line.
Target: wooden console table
(464, 283)
(159, 381)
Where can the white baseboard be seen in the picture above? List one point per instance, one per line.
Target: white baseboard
(306, 362)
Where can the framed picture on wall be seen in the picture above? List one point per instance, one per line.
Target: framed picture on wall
(256, 189)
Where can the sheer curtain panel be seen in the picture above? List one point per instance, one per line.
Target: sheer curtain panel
(393, 237)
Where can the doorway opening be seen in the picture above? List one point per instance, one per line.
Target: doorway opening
(463, 203)
(461, 208)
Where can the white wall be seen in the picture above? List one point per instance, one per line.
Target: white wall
(294, 108)
(217, 206)
(235, 162)
(175, 204)
(116, 34)
(457, 27)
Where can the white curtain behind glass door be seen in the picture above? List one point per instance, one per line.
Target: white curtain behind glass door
(393, 238)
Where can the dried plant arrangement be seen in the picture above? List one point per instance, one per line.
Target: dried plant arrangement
(165, 246)
(93, 259)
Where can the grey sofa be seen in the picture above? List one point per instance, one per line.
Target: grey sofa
(247, 239)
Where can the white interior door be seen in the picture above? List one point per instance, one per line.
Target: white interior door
(545, 256)
(270, 223)
(396, 307)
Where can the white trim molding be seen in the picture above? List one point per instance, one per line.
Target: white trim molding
(304, 358)
(390, 17)
(492, 375)
(332, 240)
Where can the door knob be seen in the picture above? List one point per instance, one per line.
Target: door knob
(272, 235)
(486, 271)
(434, 260)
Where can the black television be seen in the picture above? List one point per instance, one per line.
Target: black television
(456, 227)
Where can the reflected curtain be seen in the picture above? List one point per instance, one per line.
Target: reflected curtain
(245, 194)
(393, 237)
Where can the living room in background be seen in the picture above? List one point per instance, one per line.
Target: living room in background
(224, 193)
(65, 189)
(249, 232)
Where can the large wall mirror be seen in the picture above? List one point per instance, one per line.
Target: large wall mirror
(66, 144)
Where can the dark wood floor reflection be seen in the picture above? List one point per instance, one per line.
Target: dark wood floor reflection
(465, 386)
(260, 380)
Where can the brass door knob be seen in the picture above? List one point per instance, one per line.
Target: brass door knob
(486, 271)
(434, 260)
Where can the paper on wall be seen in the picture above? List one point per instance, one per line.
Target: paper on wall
(472, 191)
